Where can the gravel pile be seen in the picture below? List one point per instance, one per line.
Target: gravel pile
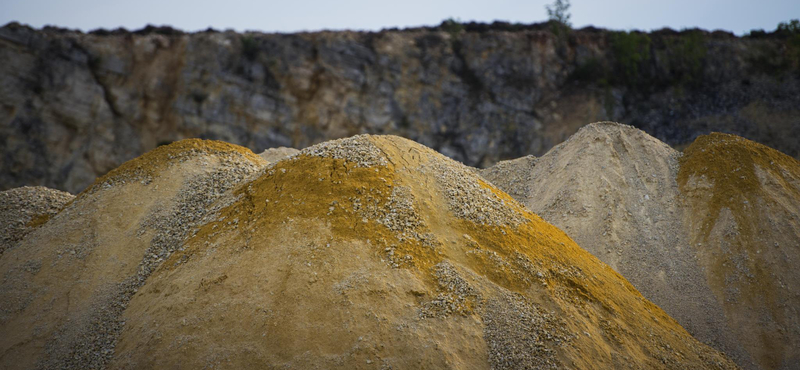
(143, 168)
(357, 149)
(172, 224)
(456, 295)
(23, 209)
(513, 176)
(520, 335)
(613, 189)
(269, 284)
(467, 198)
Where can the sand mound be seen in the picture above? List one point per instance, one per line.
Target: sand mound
(615, 190)
(366, 252)
(67, 284)
(273, 155)
(743, 206)
(26, 208)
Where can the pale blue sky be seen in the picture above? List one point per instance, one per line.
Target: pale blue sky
(738, 16)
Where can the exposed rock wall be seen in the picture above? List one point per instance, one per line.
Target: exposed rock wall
(74, 105)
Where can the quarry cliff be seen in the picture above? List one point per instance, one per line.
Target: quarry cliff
(75, 105)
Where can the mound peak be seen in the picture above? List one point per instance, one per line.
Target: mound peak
(69, 280)
(699, 233)
(23, 209)
(743, 207)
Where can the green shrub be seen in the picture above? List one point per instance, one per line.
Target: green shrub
(250, 47)
(789, 28)
(451, 26)
(631, 52)
(688, 57)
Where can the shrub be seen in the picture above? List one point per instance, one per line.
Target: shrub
(249, 47)
(631, 51)
(688, 58)
(451, 26)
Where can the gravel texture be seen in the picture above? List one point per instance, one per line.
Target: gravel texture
(23, 209)
(172, 223)
(273, 155)
(520, 335)
(288, 269)
(512, 176)
(467, 198)
(614, 189)
(357, 149)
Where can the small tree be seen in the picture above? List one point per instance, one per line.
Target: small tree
(789, 28)
(559, 12)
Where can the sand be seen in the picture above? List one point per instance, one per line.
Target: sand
(366, 252)
(648, 211)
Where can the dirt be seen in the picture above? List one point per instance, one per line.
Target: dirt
(665, 221)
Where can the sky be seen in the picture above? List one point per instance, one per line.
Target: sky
(738, 16)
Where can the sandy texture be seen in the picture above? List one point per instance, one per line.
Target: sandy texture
(26, 208)
(369, 252)
(743, 208)
(273, 155)
(615, 190)
(66, 285)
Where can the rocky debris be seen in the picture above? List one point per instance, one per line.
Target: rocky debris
(456, 295)
(273, 155)
(246, 266)
(520, 335)
(467, 198)
(511, 176)
(400, 216)
(649, 211)
(77, 105)
(357, 149)
(193, 206)
(23, 209)
(200, 172)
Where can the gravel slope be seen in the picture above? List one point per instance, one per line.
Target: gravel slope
(365, 252)
(615, 190)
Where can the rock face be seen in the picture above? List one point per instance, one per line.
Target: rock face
(709, 235)
(365, 252)
(74, 105)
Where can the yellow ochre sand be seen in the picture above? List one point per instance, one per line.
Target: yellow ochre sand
(367, 252)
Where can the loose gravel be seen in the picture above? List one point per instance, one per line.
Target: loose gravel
(23, 209)
(357, 149)
(172, 226)
(467, 198)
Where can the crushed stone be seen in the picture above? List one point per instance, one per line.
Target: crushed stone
(273, 155)
(520, 335)
(467, 198)
(172, 226)
(23, 209)
(357, 149)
